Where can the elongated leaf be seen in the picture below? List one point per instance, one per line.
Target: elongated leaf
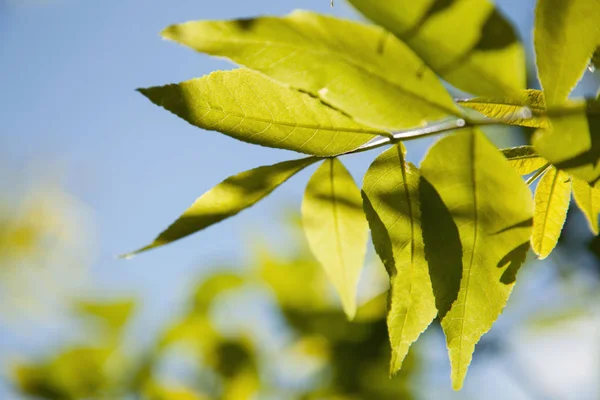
(251, 107)
(588, 200)
(392, 206)
(467, 42)
(566, 34)
(552, 198)
(228, 198)
(524, 159)
(469, 174)
(572, 141)
(357, 68)
(336, 228)
(527, 111)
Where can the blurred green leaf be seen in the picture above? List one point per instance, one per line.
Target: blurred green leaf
(336, 228)
(566, 33)
(113, 314)
(526, 111)
(392, 206)
(524, 159)
(468, 172)
(376, 79)
(467, 42)
(228, 198)
(251, 107)
(552, 199)
(587, 199)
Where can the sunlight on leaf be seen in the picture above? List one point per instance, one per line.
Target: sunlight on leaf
(336, 228)
(587, 199)
(357, 68)
(551, 203)
(392, 206)
(469, 173)
(566, 35)
(228, 198)
(524, 159)
(468, 43)
(250, 107)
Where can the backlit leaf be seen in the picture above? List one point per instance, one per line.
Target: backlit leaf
(357, 68)
(552, 198)
(524, 159)
(588, 200)
(528, 111)
(467, 42)
(392, 206)
(572, 140)
(228, 198)
(492, 209)
(566, 35)
(253, 108)
(336, 228)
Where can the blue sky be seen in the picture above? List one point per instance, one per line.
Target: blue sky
(68, 74)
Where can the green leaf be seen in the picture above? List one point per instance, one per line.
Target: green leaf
(468, 43)
(566, 34)
(357, 68)
(572, 140)
(336, 228)
(228, 198)
(526, 111)
(253, 108)
(552, 198)
(392, 205)
(588, 200)
(492, 209)
(524, 159)
(113, 314)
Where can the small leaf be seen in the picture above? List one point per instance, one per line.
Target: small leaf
(566, 33)
(469, 174)
(527, 111)
(552, 198)
(468, 43)
(336, 228)
(357, 68)
(572, 140)
(588, 200)
(250, 107)
(392, 205)
(524, 159)
(228, 198)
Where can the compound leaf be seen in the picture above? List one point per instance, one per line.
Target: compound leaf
(228, 198)
(336, 228)
(551, 203)
(392, 205)
(469, 174)
(467, 42)
(253, 108)
(357, 68)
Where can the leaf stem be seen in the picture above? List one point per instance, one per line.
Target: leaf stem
(537, 174)
(418, 133)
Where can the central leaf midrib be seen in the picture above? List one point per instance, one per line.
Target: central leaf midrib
(328, 53)
(547, 213)
(336, 225)
(284, 123)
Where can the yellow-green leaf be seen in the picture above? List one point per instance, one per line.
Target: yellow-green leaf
(524, 159)
(228, 198)
(566, 33)
(336, 228)
(392, 205)
(357, 68)
(588, 201)
(552, 198)
(572, 140)
(253, 108)
(527, 111)
(469, 174)
(467, 42)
